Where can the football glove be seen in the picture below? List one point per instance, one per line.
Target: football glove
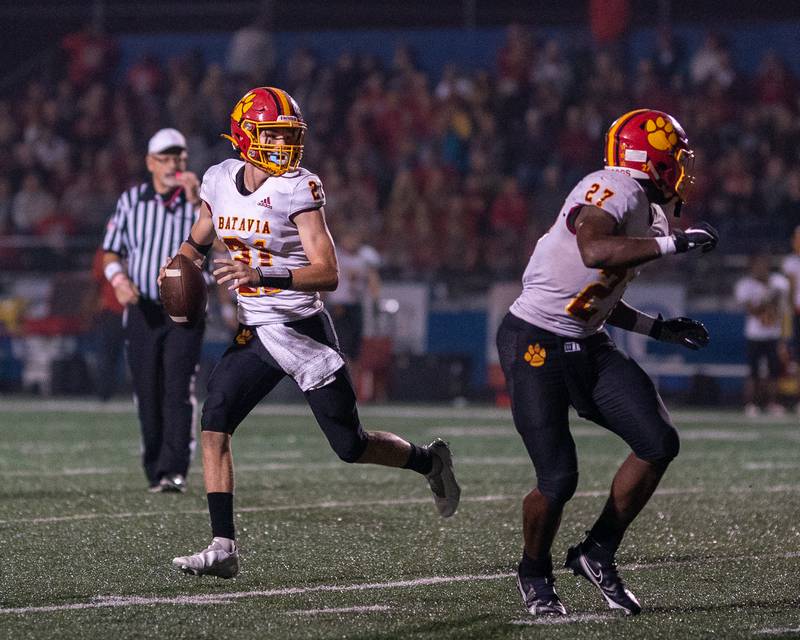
(683, 331)
(702, 236)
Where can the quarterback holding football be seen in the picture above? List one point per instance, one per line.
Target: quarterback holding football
(269, 212)
(555, 353)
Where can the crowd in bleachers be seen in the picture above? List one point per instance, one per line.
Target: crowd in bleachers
(451, 178)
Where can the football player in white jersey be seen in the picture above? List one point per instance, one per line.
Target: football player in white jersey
(555, 352)
(268, 211)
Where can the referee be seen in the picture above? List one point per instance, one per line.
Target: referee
(150, 223)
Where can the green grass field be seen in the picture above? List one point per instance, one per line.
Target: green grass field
(337, 551)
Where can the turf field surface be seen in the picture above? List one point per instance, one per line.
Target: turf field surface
(331, 550)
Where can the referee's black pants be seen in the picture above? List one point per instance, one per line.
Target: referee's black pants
(163, 357)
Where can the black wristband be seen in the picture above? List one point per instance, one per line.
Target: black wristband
(275, 277)
(202, 249)
(681, 241)
(658, 325)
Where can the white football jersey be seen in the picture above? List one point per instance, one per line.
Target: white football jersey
(773, 295)
(258, 229)
(560, 293)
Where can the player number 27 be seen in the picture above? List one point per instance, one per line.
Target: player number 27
(607, 193)
(243, 253)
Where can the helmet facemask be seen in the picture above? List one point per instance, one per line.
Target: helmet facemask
(664, 177)
(275, 159)
(684, 159)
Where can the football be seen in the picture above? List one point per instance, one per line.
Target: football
(183, 291)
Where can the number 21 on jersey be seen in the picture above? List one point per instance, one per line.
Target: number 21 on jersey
(263, 258)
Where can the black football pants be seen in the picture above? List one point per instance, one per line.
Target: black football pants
(546, 373)
(163, 357)
(247, 373)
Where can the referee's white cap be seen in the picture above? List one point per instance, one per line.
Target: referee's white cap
(166, 139)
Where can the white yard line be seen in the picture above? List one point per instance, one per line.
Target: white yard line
(85, 471)
(221, 598)
(568, 619)
(315, 612)
(521, 460)
(389, 502)
(769, 466)
(730, 435)
(478, 412)
(592, 431)
(777, 631)
(112, 601)
(329, 504)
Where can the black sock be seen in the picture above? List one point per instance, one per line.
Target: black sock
(419, 460)
(220, 507)
(536, 567)
(601, 544)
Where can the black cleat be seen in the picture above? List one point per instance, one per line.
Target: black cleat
(539, 595)
(603, 575)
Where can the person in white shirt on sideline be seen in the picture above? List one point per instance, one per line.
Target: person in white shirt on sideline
(764, 295)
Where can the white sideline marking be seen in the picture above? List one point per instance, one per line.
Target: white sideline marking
(777, 631)
(315, 612)
(224, 598)
(568, 619)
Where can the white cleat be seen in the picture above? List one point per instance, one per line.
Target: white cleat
(215, 560)
(442, 480)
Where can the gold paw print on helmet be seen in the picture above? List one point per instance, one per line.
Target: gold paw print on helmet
(243, 106)
(535, 355)
(661, 134)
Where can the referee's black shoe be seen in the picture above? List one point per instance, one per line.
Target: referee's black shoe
(590, 560)
(539, 595)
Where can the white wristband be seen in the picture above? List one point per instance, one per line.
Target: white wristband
(112, 269)
(644, 324)
(666, 245)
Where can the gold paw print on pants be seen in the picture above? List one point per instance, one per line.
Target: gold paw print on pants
(244, 336)
(661, 134)
(535, 355)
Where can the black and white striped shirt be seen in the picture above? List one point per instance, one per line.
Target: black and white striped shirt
(146, 229)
